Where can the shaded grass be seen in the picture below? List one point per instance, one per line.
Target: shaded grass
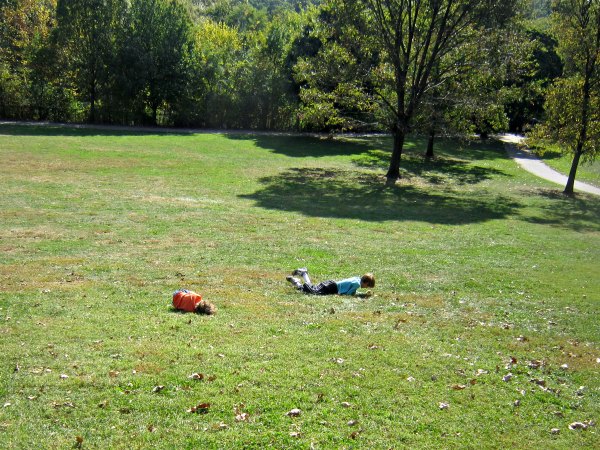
(481, 271)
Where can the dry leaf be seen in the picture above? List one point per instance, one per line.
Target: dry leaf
(507, 377)
(201, 408)
(443, 405)
(294, 412)
(295, 434)
(352, 423)
(242, 417)
(103, 404)
(578, 426)
(63, 376)
(151, 428)
(158, 388)
(196, 376)
(555, 431)
(458, 387)
(113, 373)
(355, 434)
(345, 404)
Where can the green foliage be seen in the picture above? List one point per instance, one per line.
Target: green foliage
(573, 102)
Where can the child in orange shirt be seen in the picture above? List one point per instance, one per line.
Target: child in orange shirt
(189, 301)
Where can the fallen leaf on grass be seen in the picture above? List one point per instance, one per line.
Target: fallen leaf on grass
(443, 405)
(78, 442)
(196, 376)
(346, 404)
(295, 434)
(352, 423)
(113, 373)
(103, 404)
(201, 408)
(579, 425)
(507, 377)
(242, 417)
(294, 412)
(151, 428)
(554, 431)
(63, 376)
(158, 388)
(355, 434)
(458, 387)
(535, 364)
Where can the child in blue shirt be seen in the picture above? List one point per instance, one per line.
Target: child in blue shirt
(347, 286)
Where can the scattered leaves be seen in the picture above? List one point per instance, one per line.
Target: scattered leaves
(581, 425)
(201, 408)
(294, 412)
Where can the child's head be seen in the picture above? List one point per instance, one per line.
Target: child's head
(367, 281)
(204, 307)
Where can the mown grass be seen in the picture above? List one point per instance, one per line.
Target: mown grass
(482, 271)
(587, 171)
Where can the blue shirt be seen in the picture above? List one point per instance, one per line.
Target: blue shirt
(348, 286)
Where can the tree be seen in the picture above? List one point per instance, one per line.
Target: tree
(158, 55)
(86, 35)
(25, 26)
(396, 47)
(573, 101)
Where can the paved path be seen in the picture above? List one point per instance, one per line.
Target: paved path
(532, 164)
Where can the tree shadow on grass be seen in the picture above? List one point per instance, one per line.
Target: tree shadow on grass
(580, 213)
(437, 171)
(346, 194)
(306, 146)
(83, 130)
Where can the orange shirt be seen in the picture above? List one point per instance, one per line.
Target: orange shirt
(186, 300)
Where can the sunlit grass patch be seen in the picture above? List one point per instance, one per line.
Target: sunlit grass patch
(474, 265)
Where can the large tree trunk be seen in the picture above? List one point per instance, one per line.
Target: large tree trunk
(569, 188)
(394, 170)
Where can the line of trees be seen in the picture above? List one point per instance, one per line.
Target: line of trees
(429, 66)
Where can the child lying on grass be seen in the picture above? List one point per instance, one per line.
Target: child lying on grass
(189, 301)
(347, 286)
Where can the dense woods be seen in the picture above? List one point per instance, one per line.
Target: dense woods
(434, 67)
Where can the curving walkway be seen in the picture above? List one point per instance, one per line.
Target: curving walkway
(533, 164)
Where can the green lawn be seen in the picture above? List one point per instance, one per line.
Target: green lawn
(588, 171)
(486, 300)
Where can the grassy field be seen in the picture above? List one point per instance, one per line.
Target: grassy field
(483, 331)
(588, 171)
